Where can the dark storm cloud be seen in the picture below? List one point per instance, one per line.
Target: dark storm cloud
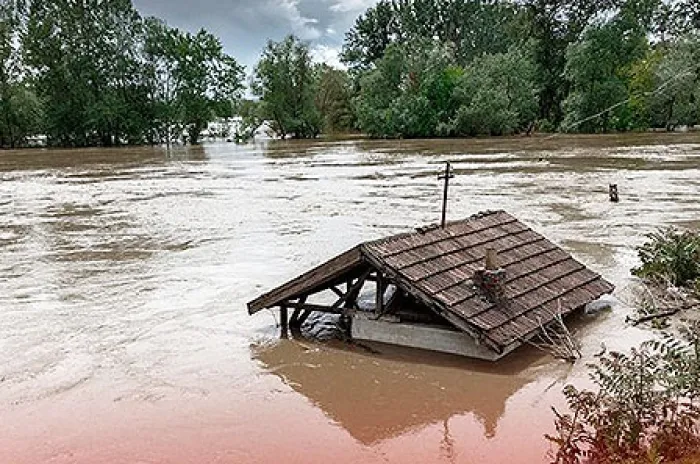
(245, 26)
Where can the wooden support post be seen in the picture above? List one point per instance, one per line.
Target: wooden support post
(355, 289)
(337, 292)
(294, 321)
(284, 321)
(379, 306)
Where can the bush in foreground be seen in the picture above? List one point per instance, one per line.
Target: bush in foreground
(670, 256)
(645, 409)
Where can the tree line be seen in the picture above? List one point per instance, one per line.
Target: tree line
(427, 68)
(95, 72)
(454, 68)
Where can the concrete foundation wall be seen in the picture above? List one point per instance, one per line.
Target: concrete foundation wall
(420, 336)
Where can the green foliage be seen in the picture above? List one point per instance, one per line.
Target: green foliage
(670, 256)
(419, 91)
(677, 75)
(251, 112)
(497, 95)
(86, 65)
(334, 99)
(645, 406)
(22, 114)
(471, 27)
(596, 69)
(410, 93)
(21, 111)
(204, 78)
(590, 61)
(99, 74)
(286, 83)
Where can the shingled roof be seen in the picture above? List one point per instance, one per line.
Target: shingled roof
(436, 266)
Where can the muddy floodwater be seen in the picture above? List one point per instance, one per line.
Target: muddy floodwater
(124, 274)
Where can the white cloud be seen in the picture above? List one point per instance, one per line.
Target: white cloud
(301, 25)
(328, 55)
(351, 6)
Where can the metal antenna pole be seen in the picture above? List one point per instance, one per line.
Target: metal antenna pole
(447, 176)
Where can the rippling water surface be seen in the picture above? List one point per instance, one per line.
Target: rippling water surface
(124, 276)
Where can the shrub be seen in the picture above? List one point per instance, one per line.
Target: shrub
(645, 409)
(670, 256)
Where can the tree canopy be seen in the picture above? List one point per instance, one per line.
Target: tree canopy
(285, 81)
(96, 73)
(510, 66)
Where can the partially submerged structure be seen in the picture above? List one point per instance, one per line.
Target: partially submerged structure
(479, 287)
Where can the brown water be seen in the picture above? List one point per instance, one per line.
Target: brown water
(124, 276)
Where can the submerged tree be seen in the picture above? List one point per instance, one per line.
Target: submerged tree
(205, 77)
(108, 77)
(497, 95)
(86, 62)
(409, 93)
(597, 70)
(20, 108)
(334, 99)
(675, 100)
(285, 81)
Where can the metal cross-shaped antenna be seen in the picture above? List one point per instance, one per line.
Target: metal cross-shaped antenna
(447, 176)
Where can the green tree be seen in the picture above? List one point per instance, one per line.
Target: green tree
(22, 115)
(161, 60)
(409, 94)
(285, 81)
(107, 76)
(553, 25)
(369, 38)
(20, 109)
(334, 99)
(597, 70)
(205, 77)
(497, 95)
(675, 99)
(193, 80)
(251, 113)
(471, 27)
(86, 60)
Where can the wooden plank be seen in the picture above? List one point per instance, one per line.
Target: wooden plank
(305, 283)
(304, 316)
(315, 308)
(355, 289)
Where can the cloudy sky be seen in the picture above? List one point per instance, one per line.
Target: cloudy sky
(244, 26)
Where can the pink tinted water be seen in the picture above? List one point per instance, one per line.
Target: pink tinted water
(124, 276)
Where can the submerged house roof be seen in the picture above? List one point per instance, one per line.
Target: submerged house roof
(436, 266)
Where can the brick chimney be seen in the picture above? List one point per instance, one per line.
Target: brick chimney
(491, 278)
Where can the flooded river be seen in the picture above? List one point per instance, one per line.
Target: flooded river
(124, 276)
